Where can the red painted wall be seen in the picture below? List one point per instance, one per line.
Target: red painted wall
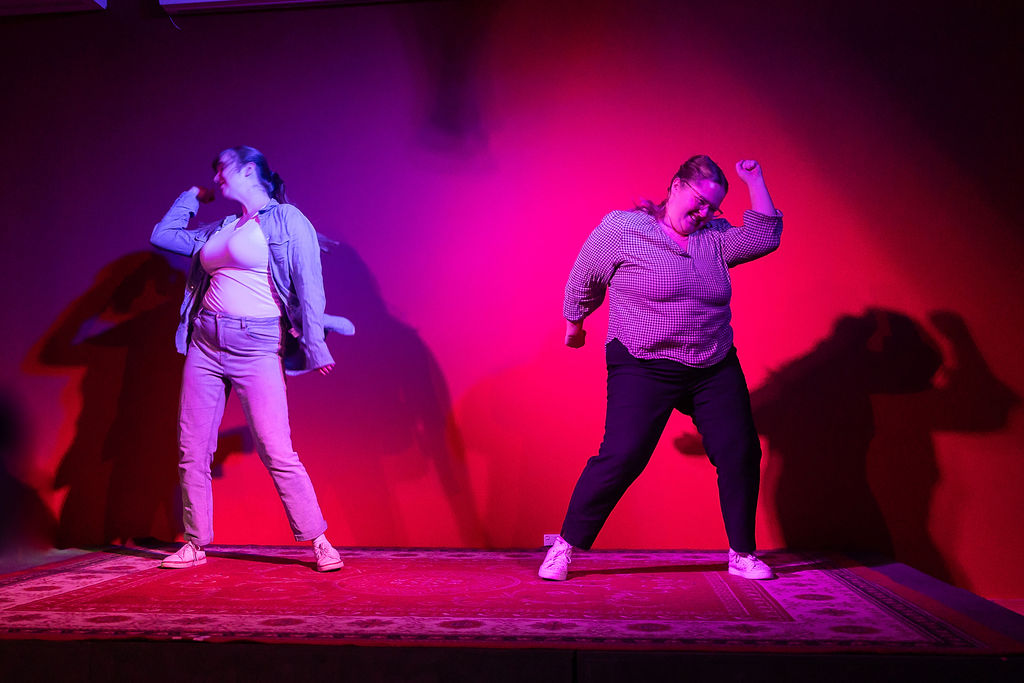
(460, 155)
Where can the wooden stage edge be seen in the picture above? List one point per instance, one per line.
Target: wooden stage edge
(126, 660)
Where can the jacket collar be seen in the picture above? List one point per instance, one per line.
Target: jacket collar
(271, 204)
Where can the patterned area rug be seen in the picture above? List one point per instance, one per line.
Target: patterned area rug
(660, 600)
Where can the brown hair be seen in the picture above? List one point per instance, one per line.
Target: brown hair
(270, 180)
(700, 167)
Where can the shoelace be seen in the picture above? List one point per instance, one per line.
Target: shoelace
(560, 553)
(748, 560)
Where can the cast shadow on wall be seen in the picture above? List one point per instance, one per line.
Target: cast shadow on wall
(116, 343)
(120, 469)
(25, 520)
(390, 420)
(850, 425)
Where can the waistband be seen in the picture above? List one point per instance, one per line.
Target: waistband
(241, 321)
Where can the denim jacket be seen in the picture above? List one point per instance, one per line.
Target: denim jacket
(294, 267)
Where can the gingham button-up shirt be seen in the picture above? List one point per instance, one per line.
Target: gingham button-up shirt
(666, 302)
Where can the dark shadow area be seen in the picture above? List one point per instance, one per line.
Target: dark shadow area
(120, 470)
(391, 417)
(899, 47)
(850, 427)
(74, 661)
(25, 520)
(445, 42)
(916, 57)
(229, 442)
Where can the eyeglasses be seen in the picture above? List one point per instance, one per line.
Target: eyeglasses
(713, 211)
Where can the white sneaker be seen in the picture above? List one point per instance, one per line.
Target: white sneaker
(187, 556)
(327, 558)
(555, 566)
(748, 566)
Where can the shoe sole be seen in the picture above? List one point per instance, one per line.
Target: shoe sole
(183, 565)
(552, 577)
(752, 577)
(330, 567)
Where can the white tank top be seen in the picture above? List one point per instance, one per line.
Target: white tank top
(238, 261)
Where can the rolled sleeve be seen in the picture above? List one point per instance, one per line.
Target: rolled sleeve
(759, 236)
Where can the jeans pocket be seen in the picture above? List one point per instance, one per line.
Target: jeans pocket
(264, 333)
(200, 327)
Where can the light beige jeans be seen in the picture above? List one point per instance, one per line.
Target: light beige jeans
(242, 353)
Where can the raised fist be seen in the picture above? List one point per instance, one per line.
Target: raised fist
(748, 170)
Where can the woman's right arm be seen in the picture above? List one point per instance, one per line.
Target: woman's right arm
(589, 278)
(172, 232)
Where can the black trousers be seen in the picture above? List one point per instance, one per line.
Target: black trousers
(641, 396)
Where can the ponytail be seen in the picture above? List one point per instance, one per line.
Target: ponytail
(650, 208)
(276, 190)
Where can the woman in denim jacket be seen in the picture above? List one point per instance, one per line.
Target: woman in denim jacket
(253, 309)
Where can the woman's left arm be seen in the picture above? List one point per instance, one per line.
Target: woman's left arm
(761, 231)
(750, 173)
(307, 278)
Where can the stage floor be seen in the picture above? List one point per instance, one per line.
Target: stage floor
(615, 601)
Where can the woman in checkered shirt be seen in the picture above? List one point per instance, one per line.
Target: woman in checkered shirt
(665, 268)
